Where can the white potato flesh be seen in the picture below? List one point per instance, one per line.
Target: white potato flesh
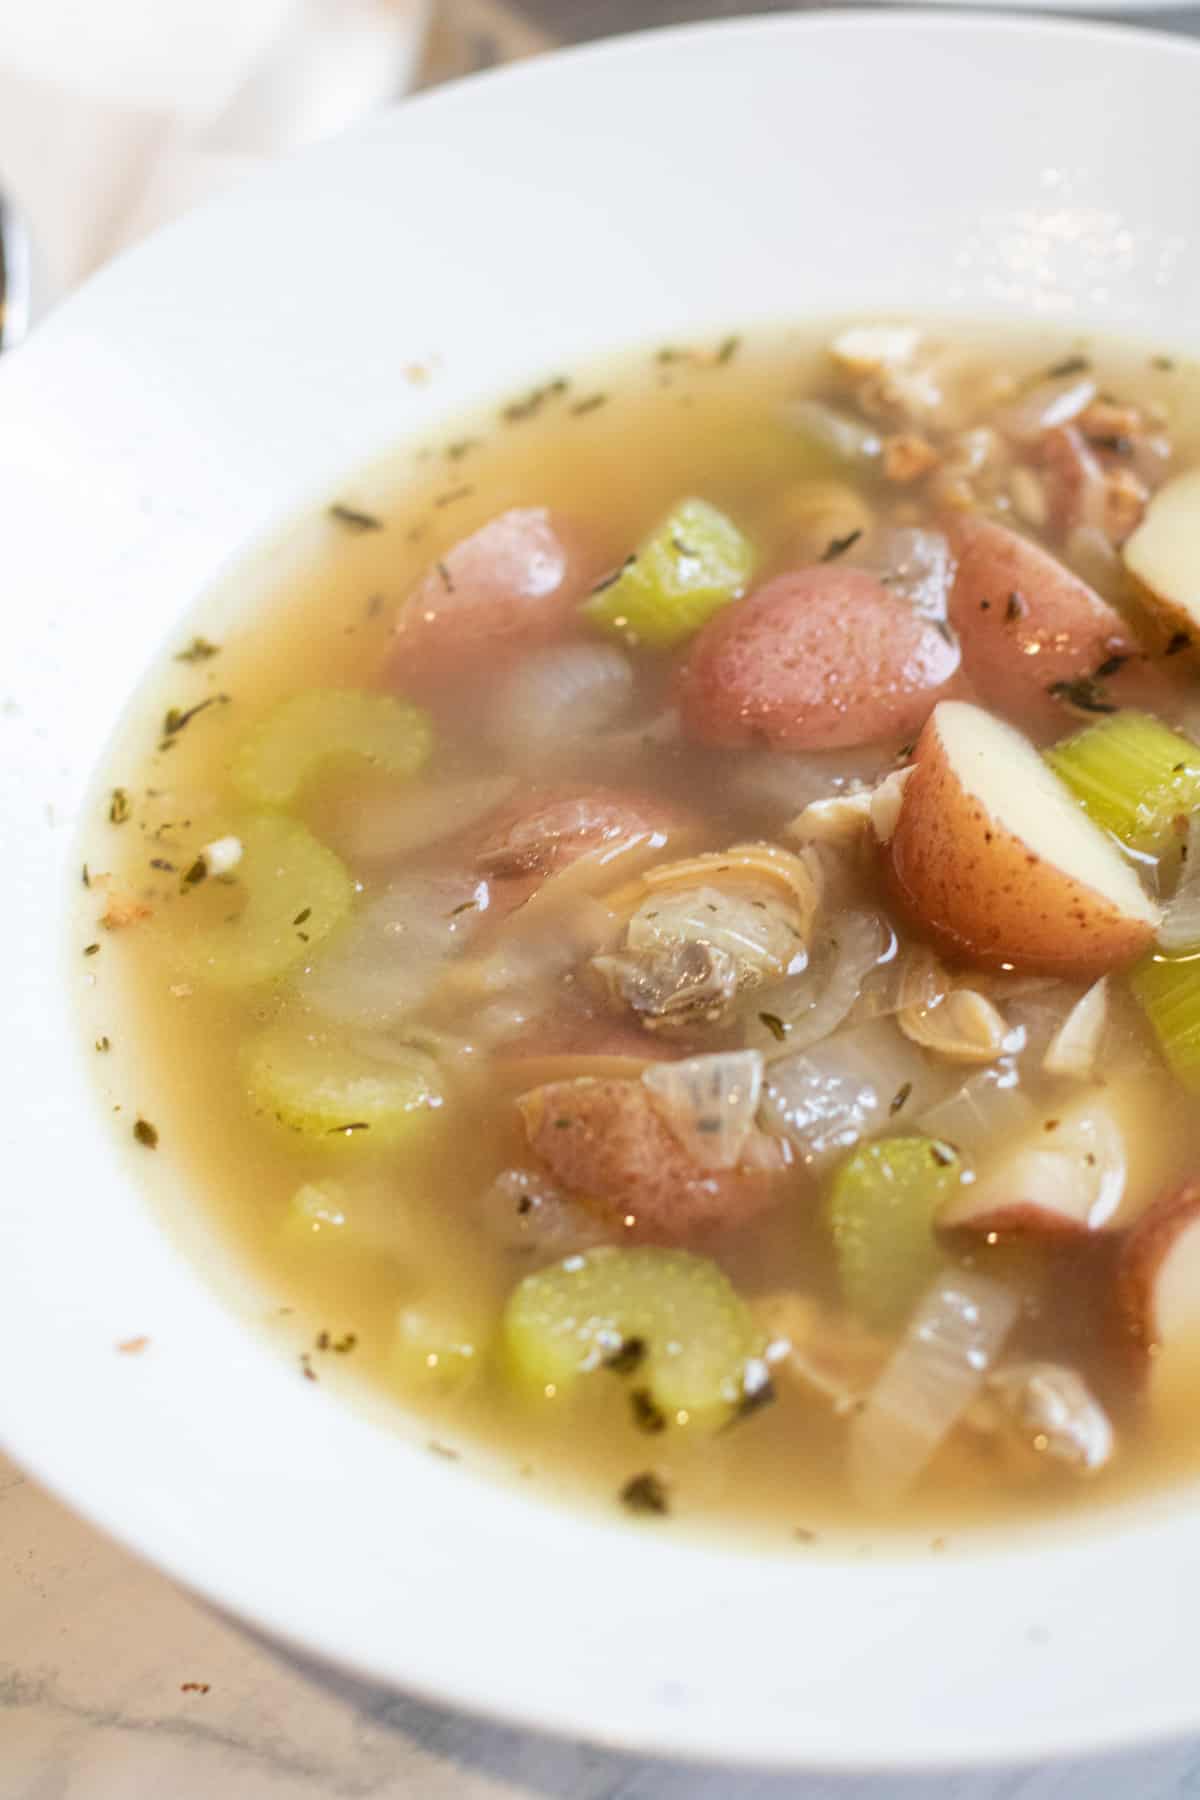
(1164, 552)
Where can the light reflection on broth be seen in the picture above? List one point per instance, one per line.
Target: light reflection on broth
(439, 968)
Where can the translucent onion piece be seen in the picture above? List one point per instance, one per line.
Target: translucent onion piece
(780, 785)
(376, 827)
(1075, 1047)
(845, 1089)
(1050, 404)
(951, 1342)
(709, 1102)
(1180, 929)
(1054, 1408)
(812, 1005)
(388, 959)
(916, 566)
(523, 1210)
(989, 1107)
(559, 698)
(840, 434)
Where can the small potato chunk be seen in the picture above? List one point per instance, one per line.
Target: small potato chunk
(609, 1143)
(1027, 623)
(996, 862)
(1164, 552)
(1158, 1279)
(510, 584)
(818, 659)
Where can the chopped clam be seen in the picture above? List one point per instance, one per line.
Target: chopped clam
(958, 1023)
(674, 987)
(843, 819)
(1056, 1412)
(865, 349)
(908, 456)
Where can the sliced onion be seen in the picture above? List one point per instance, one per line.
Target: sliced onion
(951, 1342)
(989, 1108)
(780, 785)
(709, 1102)
(1075, 1047)
(559, 697)
(847, 437)
(915, 565)
(828, 1098)
(1046, 406)
(1180, 929)
(812, 1005)
(378, 826)
(523, 1210)
(387, 959)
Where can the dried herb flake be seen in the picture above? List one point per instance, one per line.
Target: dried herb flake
(900, 1099)
(354, 519)
(119, 806)
(777, 1027)
(645, 1494)
(176, 718)
(199, 650)
(145, 1133)
(838, 546)
(1070, 365)
(646, 1415)
(628, 1357)
(1084, 694)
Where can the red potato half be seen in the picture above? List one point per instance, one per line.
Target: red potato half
(819, 659)
(996, 863)
(1026, 622)
(606, 1142)
(511, 584)
(1158, 1278)
(1092, 1165)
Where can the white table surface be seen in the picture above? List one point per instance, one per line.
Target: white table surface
(97, 1651)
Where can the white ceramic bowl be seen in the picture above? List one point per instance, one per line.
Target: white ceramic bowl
(189, 400)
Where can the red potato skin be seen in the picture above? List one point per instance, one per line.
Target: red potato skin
(1020, 1222)
(1025, 622)
(981, 897)
(511, 585)
(1142, 1255)
(606, 1142)
(818, 659)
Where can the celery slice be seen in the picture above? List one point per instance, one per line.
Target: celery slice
(686, 1332)
(312, 1084)
(288, 892)
(442, 1343)
(1168, 990)
(273, 763)
(1134, 776)
(693, 564)
(882, 1208)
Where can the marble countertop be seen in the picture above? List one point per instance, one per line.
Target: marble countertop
(115, 1685)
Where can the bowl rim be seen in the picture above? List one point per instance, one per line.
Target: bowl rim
(42, 1444)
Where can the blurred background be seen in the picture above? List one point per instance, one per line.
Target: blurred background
(116, 116)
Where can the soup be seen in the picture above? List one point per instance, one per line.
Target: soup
(666, 927)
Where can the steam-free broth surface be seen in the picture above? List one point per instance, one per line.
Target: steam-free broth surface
(820, 708)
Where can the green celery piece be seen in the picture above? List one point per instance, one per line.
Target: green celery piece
(296, 737)
(1168, 990)
(1132, 775)
(292, 892)
(693, 1334)
(692, 565)
(310, 1084)
(882, 1208)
